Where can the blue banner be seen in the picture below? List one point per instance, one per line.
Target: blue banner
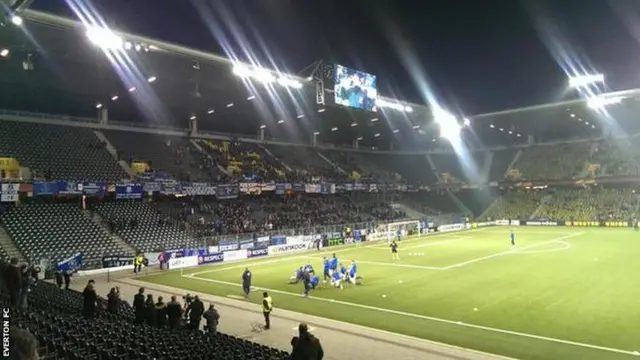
(71, 264)
(228, 245)
(280, 189)
(278, 240)
(94, 189)
(171, 187)
(199, 189)
(45, 188)
(115, 261)
(211, 258)
(227, 191)
(263, 242)
(129, 191)
(257, 252)
(152, 186)
(69, 188)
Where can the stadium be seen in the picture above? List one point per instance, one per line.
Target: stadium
(516, 230)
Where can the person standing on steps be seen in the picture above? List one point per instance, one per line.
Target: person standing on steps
(267, 307)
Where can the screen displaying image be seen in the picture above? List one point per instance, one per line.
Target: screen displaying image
(355, 88)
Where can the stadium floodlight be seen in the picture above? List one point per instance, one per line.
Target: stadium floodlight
(288, 82)
(16, 20)
(251, 97)
(114, 97)
(322, 110)
(280, 121)
(230, 105)
(408, 109)
(374, 119)
(132, 89)
(518, 135)
(241, 70)
(98, 106)
(210, 111)
(152, 79)
(263, 127)
(300, 116)
(354, 124)
(449, 127)
(334, 129)
(492, 126)
(4, 53)
(584, 80)
(466, 122)
(128, 45)
(359, 138)
(416, 127)
(264, 76)
(316, 133)
(600, 102)
(104, 38)
(376, 135)
(192, 117)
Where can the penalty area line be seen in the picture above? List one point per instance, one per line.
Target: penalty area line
(434, 319)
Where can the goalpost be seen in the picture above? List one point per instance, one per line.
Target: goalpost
(407, 228)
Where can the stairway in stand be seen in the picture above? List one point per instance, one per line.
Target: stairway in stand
(9, 247)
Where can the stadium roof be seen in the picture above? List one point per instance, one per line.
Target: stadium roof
(67, 74)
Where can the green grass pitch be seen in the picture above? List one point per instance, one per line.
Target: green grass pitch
(561, 293)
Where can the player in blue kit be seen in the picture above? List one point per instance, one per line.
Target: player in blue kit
(343, 271)
(315, 280)
(352, 272)
(336, 279)
(333, 264)
(327, 267)
(512, 236)
(308, 268)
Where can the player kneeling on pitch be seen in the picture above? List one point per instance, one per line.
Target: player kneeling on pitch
(297, 276)
(336, 279)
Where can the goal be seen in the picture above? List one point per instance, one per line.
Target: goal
(406, 228)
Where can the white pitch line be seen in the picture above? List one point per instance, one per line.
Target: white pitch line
(311, 328)
(565, 246)
(434, 319)
(388, 264)
(509, 252)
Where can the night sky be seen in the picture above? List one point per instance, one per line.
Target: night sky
(478, 56)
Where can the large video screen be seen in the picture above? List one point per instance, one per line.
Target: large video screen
(355, 88)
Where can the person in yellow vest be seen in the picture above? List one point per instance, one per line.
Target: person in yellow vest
(137, 263)
(267, 307)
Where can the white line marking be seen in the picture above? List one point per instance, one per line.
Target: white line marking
(434, 319)
(509, 252)
(236, 297)
(565, 246)
(311, 328)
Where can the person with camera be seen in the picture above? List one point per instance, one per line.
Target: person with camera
(212, 317)
(195, 311)
(174, 313)
(113, 300)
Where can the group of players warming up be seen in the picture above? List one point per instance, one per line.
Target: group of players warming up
(334, 273)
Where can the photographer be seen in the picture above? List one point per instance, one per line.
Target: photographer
(188, 299)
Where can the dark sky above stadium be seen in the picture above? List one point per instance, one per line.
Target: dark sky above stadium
(480, 56)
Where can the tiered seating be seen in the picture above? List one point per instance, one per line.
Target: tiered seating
(477, 200)
(53, 318)
(59, 152)
(431, 203)
(514, 205)
(361, 166)
(590, 204)
(305, 162)
(500, 164)
(58, 231)
(561, 161)
(413, 168)
(244, 160)
(454, 170)
(173, 155)
(617, 157)
(152, 231)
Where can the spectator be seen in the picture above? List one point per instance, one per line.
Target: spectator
(212, 317)
(139, 307)
(174, 313)
(150, 310)
(90, 300)
(113, 300)
(195, 311)
(161, 312)
(13, 281)
(22, 344)
(306, 346)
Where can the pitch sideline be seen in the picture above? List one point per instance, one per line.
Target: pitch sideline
(434, 319)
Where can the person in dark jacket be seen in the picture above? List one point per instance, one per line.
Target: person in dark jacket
(67, 279)
(161, 312)
(306, 346)
(174, 313)
(212, 317)
(27, 282)
(138, 306)
(113, 300)
(59, 279)
(195, 311)
(150, 310)
(13, 281)
(90, 300)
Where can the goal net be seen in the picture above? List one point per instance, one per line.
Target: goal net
(401, 229)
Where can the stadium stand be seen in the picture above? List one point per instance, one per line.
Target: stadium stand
(616, 157)
(514, 205)
(59, 152)
(414, 168)
(145, 227)
(451, 169)
(53, 317)
(57, 231)
(361, 166)
(500, 164)
(305, 162)
(478, 200)
(173, 155)
(590, 204)
(559, 161)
